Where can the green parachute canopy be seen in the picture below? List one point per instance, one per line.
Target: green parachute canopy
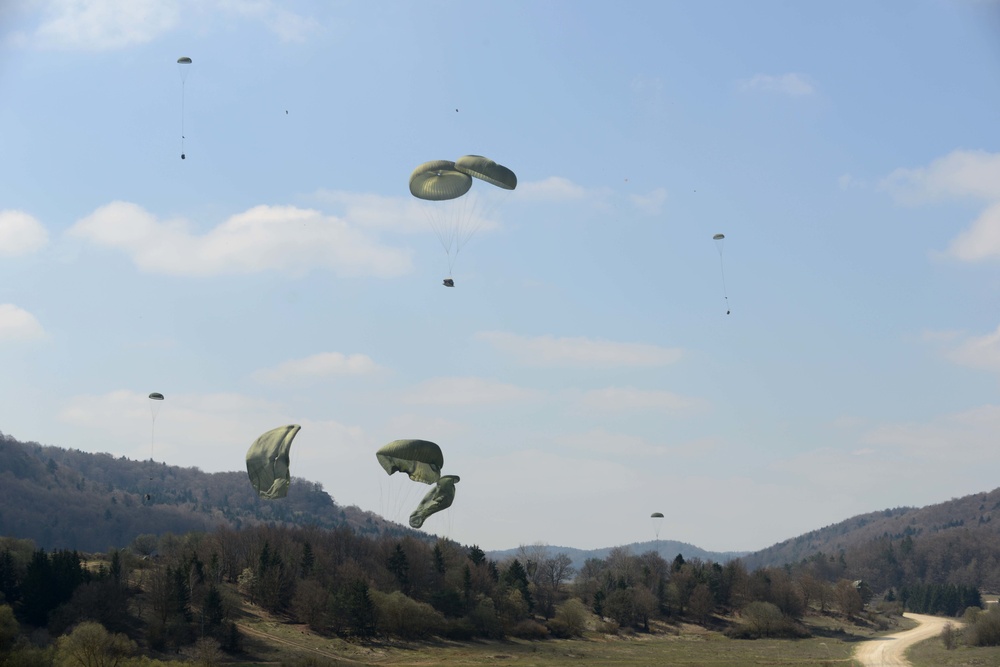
(156, 396)
(439, 498)
(267, 462)
(439, 180)
(487, 170)
(656, 515)
(422, 460)
(456, 214)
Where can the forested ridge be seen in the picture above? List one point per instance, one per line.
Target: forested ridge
(69, 499)
(205, 551)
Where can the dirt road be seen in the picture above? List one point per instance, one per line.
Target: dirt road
(889, 651)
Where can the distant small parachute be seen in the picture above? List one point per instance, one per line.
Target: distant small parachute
(439, 498)
(657, 519)
(456, 215)
(719, 241)
(268, 462)
(183, 63)
(154, 410)
(421, 460)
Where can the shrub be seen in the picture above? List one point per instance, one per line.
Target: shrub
(763, 619)
(949, 637)
(571, 616)
(484, 618)
(401, 616)
(985, 629)
(529, 629)
(608, 627)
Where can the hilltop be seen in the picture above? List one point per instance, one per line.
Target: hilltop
(69, 499)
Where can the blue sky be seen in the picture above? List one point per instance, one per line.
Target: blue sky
(583, 372)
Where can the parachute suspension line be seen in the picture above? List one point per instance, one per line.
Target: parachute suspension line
(182, 119)
(182, 64)
(725, 294)
(719, 240)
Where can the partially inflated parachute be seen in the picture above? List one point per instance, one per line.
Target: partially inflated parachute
(439, 498)
(421, 460)
(456, 214)
(268, 462)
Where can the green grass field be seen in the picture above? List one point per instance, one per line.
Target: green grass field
(270, 641)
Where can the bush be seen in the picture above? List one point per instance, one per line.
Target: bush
(484, 618)
(985, 629)
(401, 616)
(459, 629)
(763, 619)
(949, 637)
(570, 619)
(608, 627)
(528, 629)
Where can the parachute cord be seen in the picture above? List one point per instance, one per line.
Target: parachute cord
(182, 117)
(725, 293)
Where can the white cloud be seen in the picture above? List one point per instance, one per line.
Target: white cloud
(18, 324)
(791, 84)
(467, 391)
(105, 25)
(100, 25)
(650, 204)
(288, 26)
(604, 443)
(275, 238)
(579, 352)
(318, 365)
(20, 233)
(978, 352)
(951, 438)
(623, 399)
(210, 431)
(553, 188)
(981, 241)
(410, 215)
(849, 182)
(960, 174)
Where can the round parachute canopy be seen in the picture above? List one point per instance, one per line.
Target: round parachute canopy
(268, 462)
(439, 180)
(183, 60)
(439, 498)
(487, 170)
(421, 460)
(656, 515)
(719, 237)
(156, 396)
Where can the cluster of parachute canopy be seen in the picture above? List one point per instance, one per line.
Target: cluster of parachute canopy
(456, 217)
(269, 470)
(269, 466)
(422, 461)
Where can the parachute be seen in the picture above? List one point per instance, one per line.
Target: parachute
(439, 498)
(421, 460)
(719, 241)
(268, 462)
(182, 66)
(455, 214)
(657, 519)
(154, 409)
